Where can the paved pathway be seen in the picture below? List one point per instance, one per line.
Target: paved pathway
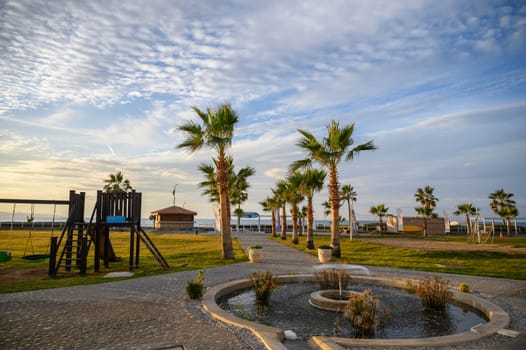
(154, 313)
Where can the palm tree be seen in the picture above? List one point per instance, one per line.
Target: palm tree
(507, 214)
(279, 195)
(428, 201)
(466, 209)
(348, 194)
(117, 184)
(215, 132)
(328, 152)
(380, 210)
(293, 197)
(311, 182)
(238, 189)
(502, 205)
(270, 204)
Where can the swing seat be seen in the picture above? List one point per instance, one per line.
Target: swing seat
(5, 256)
(36, 257)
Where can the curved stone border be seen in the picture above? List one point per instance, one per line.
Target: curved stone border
(273, 337)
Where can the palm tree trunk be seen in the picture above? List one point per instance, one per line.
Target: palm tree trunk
(295, 239)
(468, 225)
(380, 222)
(350, 218)
(224, 204)
(335, 211)
(284, 223)
(273, 221)
(310, 222)
(425, 227)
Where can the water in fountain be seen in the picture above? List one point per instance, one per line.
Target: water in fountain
(290, 309)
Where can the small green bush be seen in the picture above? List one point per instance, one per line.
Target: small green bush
(434, 294)
(330, 278)
(264, 284)
(256, 246)
(366, 313)
(194, 288)
(464, 287)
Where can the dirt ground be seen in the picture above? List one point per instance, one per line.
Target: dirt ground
(434, 245)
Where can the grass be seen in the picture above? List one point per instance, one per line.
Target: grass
(183, 252)
(479, 263)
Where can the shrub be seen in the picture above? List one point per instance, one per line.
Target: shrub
(366, 313)
(264, 284)
(330, 278)
(194, 288)
(434, 294)
(464, 287)
(257, 246)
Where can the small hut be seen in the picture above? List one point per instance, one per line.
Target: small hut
(173, 218)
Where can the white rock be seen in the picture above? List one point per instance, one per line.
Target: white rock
(117, 274)
(290, 335)
(508, 333)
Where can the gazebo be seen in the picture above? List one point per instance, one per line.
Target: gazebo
(173, 218)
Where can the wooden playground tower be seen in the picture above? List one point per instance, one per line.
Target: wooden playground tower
(70, 249)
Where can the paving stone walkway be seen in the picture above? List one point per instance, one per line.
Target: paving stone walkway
(154, 313)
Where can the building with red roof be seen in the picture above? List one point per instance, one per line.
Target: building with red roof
(173, 218)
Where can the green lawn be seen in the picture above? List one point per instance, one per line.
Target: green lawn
(479, 263)
(183, 252)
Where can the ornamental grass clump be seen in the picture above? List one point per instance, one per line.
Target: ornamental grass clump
(464, 287)
(264, 284)
(434, 293)
(366, 313)
(332, 278)
(194, 288)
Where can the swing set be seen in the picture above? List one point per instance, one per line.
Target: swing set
(6, 255)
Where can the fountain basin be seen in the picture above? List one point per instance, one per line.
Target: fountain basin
(272, 337)
(330, 299)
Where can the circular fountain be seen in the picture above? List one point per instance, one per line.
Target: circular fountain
(273, 336)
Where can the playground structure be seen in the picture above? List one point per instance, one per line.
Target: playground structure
(70, 250)
(480, 231)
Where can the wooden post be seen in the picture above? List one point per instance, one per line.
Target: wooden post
(53, 257)
(132, 237)
(83, 261)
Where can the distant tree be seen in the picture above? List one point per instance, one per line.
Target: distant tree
(280, 197)
(293, 197)
(466, 209)
(117, 184)
(216, 132)
(329, 152)
(380, 210)
(238, 190)
(270, 204)
(348, 194)
(428, 203)
(504, 206)
(311, 182)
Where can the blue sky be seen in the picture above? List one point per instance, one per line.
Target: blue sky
(88, 88)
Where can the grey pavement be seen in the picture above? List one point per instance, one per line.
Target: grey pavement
(154, 313)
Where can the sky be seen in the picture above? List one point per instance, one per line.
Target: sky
(89, 88)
